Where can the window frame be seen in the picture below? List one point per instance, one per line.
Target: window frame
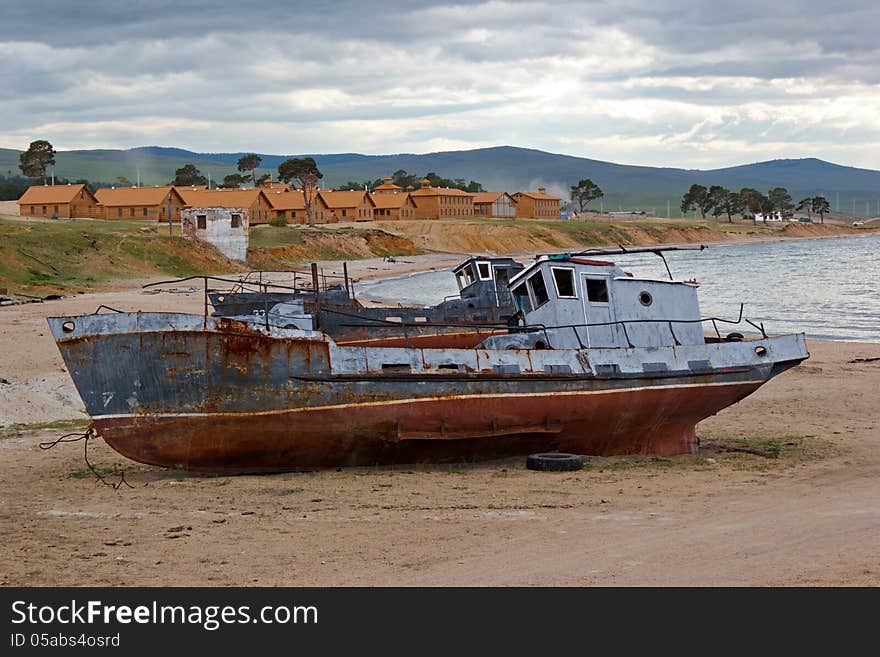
(599, 279)
(538, 274)
(527, 296)
(488, 265)
(572, 273)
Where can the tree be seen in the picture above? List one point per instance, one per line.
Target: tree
(36, 159)
(805, 204)
(473, 186)
(697, 197)
(188, 175)
(752, 202)
(584, 192)
(263, 178)
(720, 198)
(351, 186)
(305, 172)
(820, 206)
(250, 162)
(403, 179)
(780, 201)
(234, 180)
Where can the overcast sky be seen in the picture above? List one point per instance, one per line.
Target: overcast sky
(689, 83)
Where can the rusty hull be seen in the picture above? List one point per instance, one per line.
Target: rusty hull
(443, 429)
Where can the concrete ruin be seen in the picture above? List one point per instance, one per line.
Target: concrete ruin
(226, 229)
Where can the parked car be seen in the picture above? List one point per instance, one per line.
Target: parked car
(805, 220)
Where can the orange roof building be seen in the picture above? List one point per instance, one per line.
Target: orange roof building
(149, 203)
(348, 206)
(253, 200)
(494, 204)
(393, 205)
(291, 205)
(56, 201)
(537, 205)
(388, 187)
(274, 185)
(442, 202)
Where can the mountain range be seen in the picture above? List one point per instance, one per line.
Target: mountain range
(506, 168)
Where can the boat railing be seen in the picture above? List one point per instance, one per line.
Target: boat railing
(623, 323)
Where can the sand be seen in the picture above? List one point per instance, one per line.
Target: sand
(811, 516)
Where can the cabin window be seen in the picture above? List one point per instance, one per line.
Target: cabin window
(539, 289)
(483, 270)
(645, 298)
(597, 290)
(235, 221)
(465, 277)
(521, 298)
(119, 212)
(131, 212)
(145, 212)
(563, 278)
(33, 209)
(201, 221)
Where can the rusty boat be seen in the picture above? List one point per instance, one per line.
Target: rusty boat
(483, 300)
(596, 361)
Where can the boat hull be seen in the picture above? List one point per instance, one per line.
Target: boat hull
(652, 420)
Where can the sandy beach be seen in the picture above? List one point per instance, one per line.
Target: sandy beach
(809, 516)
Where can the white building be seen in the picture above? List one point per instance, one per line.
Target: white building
(226, 229)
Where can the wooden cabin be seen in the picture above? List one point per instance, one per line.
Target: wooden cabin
(494, 204)
(253, 200)
(537, 205)
(348, 206)
(291, 206)
(393, 206)
(150, 203)
(56, 201)
(442, 202)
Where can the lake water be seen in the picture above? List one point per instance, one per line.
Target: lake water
(826, 288)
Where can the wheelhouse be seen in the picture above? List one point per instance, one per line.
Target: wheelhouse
(486, 278)
(571, 302)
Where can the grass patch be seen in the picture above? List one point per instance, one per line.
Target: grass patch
(85, 473)
(738, 453)
(269, 236)
(60, 425)
(74, 255)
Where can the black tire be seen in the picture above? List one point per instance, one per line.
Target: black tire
(734, 337)
(555, 462)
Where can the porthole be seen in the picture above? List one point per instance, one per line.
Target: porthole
(645, 298)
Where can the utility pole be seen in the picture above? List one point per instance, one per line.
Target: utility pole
(170, 229)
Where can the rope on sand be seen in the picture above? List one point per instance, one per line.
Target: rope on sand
(87, 435)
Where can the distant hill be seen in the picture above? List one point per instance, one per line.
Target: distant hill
(501, 168)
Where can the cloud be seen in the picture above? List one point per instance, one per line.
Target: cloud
(674, 82)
